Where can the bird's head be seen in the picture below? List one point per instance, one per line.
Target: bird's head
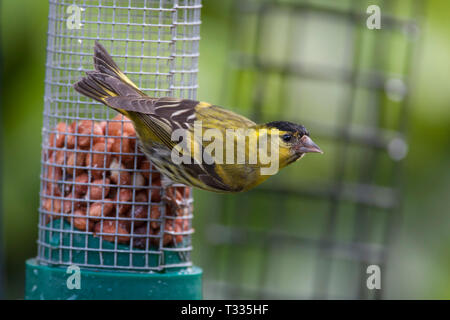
(294, 141)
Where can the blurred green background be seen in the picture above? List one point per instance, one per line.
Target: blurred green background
(420, 259)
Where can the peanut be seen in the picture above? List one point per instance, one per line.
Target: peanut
(60, 157)
(71, 138)
(96, 190)
(139, 213)
(113, 227)
(81, 185)
(98, 134)
(53, 176)
(77, 159)
(173, 206)
(119, 126)
(141, 196)
(156, 195)
(95, 209)
(118, 175)
(178, 228)
(124, 195)
(67, 188)
(156, 181)
(102, 125)
(81, 222)
(67, 203)
(57, 139)
(124, 146)
(98, 161)
(87, 128)
(146, 166)
(84, 127)
(155, 213)
(109, 143)
(184, 191)
(141, 242)
(168, 238)
(138, 179)
(52, 205)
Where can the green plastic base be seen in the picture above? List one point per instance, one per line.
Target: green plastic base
(67, 246)
(50, 283)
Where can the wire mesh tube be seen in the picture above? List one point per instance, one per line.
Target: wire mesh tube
(102, 204)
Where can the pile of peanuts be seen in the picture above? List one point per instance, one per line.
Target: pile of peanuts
(95, 178)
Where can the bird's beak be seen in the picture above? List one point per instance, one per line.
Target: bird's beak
(307, 145)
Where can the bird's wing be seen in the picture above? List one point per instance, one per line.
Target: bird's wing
(164, 115)
(181, 111)
(213, 116)
(161, 116)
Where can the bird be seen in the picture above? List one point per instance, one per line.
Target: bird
(156, 119)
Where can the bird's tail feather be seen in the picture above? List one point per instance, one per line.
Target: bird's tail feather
(103, 63)
(107, 80)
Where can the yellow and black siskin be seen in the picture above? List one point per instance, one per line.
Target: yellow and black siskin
(155, 119)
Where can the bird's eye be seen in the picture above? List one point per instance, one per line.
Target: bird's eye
(286, 137)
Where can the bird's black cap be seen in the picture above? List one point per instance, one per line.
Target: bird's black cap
(288, 126)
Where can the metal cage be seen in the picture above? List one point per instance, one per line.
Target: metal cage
(102, 204)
